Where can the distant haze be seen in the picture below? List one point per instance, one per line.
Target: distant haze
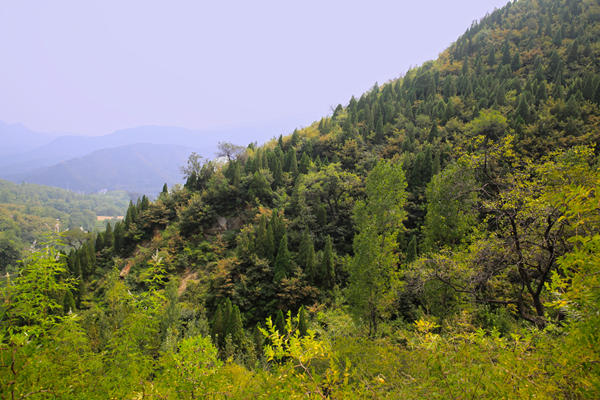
(94, 67)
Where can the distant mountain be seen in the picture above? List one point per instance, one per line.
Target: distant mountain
(67, 147)
(35, 151)
(141, 168)
(16, 138)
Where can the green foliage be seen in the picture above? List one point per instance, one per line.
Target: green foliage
(379, 220)
(451, 213)
(491, 195)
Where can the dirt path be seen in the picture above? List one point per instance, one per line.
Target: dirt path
(187, 276)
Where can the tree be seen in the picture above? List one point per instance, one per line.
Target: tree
(230, 150)
(378, 222)
(283, 261)
(327, 264)
(304, 163)
(451, 214)
(193, 166)
(306, 256)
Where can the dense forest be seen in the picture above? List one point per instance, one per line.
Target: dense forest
(29, 212)
(437, 237)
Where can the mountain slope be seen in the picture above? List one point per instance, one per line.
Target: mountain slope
(140, 168)
(440, 234)
(16, 138)
(523, 81)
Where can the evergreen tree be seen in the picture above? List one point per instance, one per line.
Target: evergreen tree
(516, 62)
(235, 327)
(506, 57)
(321, 215)
(523, 108)
(68, 302)
(306, 256)
(283, 261)
(108, 237)
(118, 238)
(99, 241)
(277, 173)
(293, 168)
(218, 326)
(304, 163)
(280, 322)
(379, 130)
(327, 264)
(302, 322)
(411, 251)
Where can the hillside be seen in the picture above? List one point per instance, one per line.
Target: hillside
(137, 168)
(437, 237)
(28, 213)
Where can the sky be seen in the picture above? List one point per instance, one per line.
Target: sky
(92, 67)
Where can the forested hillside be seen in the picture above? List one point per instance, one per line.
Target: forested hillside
(28, 213)
(437, 237)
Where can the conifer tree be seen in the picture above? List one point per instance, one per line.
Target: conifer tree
(218, 325)
(108, 237)
(277, 173)
(99, 241)
(283, 261)
(506, 57)
(515, 64)
(321, 215)
(306, 256)
(293, 166)
(280, 322)
(379, 130)
(304, 164)
(327, 264)
(302, 322)
(411, 251)
(118, 238)
(235, 327)
(68, 302)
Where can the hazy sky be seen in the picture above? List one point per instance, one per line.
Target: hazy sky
(91, 67)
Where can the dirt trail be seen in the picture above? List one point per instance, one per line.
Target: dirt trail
(187, 276)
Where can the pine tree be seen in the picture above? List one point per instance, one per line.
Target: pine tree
(165, 189)
(523, 108)
(295, 139)
(506, 57)
(516, 62)
(491, 58)
(144, 203)
(283, 261)
(235, 327)
(99, 241)
(277, 173)
(306, 256)
(302, 322)
(259, 339)
(278, 227)
(108, 237)
(68, 302)
(280, 322)
(118, 238)
(327, 264)
(321, 215)
(218, 326)
(379, 130)
(293, 167)
(304, 163)
(411, 251)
